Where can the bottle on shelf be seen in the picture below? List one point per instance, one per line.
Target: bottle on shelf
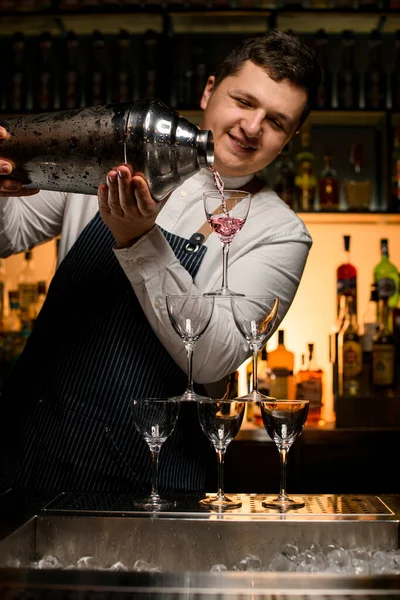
(357, 188)
(44, 93)
(27, 290)
(396, 335)
(150, 83)
(97, 89)
(3, 292)
(375, 81)
(13, 321)
(305, 179)
(346, 277)
(200, 75)
(285, 176)
(323, 99)
(351, 351)
(386, 277)
(41, 297)
(395, 183)
(265, 376)
(16, 99)
(348, 79)
(281, 363)
(334, 344)
(123, 84)
(369, 329)
(71, 83)
(383, 351)
(328, 185)
(310, 387)
(395, 74)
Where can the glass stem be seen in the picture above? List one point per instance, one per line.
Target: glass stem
(189, 353)
(254, 349)
(221, 456)
(283, 465)
(155, 453)
(225, 253)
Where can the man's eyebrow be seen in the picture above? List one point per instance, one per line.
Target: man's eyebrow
(276, 113)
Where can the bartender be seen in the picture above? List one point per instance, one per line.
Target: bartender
(103, 335)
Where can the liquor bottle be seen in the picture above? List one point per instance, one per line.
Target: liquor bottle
(13, 322)
(386, 277)
(41, 297)
(96, 93)
(27, 289)
(149, 83)
(265, 376)
(351, 354)
(346, 277)
(370, 327)
(383, 351)
(71, 84)
(123, 84)
(396, 335)
(348, 80)
(334, 344)
(395, 74)
(310, 387)
(375, 81)
(395, 187)
(281, 363)
(285, 176)
(16, 90)
(305, 180)
(328, 185)
(323, 98)
(358, 188)
(3, 292)
(200, 75)
(44, 82)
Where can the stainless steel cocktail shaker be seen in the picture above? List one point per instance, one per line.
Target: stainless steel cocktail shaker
(72, 151)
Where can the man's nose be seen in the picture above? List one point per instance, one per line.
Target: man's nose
(252, 125)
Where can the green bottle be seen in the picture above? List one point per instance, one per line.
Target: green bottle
(386, 277)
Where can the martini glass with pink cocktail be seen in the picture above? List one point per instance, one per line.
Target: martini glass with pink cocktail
(226, 212)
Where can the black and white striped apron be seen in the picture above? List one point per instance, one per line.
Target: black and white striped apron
(66, 410)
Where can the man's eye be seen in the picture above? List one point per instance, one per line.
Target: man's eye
(243, 102)
(276, 124)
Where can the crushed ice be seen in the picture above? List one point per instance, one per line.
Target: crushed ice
(329, 558)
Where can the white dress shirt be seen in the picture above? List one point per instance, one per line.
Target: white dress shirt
(267, 257)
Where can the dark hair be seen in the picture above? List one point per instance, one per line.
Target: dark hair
(283, 56)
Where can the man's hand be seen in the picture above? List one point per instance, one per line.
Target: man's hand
(10, 187)
(126, 205)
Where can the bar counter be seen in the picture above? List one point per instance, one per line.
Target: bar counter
(184, 544)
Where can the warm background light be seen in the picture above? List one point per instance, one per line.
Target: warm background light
(312, 313)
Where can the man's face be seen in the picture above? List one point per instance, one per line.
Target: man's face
(252, 117)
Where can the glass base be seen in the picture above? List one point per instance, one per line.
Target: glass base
(256, 397)
(220, 502)
(223, 292)
(189, 397)
(154, 503)
(283, 503)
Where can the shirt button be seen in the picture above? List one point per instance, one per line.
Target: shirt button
(159, 302)
(139, 260)
(183, 193)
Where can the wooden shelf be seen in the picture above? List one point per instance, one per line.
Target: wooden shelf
(110, 18)
(81, 24)
(348, 218)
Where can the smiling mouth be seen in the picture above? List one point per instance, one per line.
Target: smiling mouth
(241, 144)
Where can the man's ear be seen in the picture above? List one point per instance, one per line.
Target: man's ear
(209, 87)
